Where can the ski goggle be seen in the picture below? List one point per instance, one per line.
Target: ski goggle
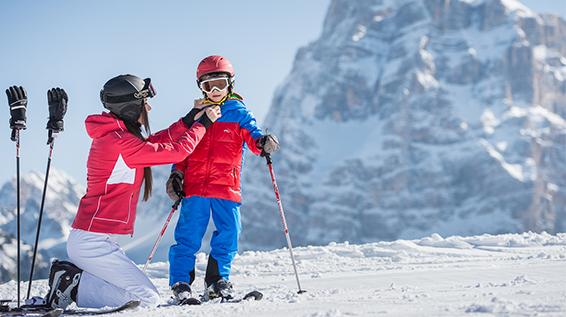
(212, 84)
(148, 91)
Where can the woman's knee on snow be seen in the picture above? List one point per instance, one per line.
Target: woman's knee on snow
(149, 297)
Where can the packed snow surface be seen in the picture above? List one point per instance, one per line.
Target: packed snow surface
(488, 275)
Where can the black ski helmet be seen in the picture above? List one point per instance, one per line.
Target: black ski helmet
(124, 96)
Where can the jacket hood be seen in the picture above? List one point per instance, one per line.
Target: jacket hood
(99, 125)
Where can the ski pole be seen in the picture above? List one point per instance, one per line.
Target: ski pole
(160, 236)
(16, 138)
(283, 221)
(51, 142)
(17, 101)
(57, 100)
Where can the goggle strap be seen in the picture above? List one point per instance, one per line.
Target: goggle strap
(125, 98)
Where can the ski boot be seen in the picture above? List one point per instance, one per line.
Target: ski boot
(64, 279)
(182, 294)
(220, 289)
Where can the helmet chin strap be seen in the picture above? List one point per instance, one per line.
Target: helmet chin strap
(208, 101)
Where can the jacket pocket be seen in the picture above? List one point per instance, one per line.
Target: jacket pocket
(115, 209)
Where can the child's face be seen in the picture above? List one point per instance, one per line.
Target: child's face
(216, 95)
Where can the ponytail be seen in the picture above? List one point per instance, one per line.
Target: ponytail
(135, 129)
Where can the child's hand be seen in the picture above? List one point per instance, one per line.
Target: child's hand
(268, 144)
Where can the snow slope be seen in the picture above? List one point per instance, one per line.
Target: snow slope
(502, 275)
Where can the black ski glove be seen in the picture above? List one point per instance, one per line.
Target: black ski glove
(268, 144)
(57, 99)
(189, 118)
(174, 186)
(205, 120)
(18, 101)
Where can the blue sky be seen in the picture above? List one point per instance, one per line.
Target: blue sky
(78, 45)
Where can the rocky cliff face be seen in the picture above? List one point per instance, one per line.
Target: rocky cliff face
(417, 116)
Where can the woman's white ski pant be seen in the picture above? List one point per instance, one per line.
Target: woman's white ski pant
(109, 277)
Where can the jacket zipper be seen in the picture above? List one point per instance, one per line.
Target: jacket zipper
(213, 130)
(130, 213)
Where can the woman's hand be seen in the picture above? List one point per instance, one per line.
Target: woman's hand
(208, 116)
(196, 112)
(213, 113)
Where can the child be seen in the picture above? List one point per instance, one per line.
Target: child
(99, 272)
(212, 183)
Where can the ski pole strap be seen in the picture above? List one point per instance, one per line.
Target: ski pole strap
(51, 137)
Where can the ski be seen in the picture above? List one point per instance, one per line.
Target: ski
(189, 301)
(129, 305)
(174, 302)
(255, 295)
(43, 311)
(31, 313)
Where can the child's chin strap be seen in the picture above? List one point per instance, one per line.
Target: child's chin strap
(210, 102)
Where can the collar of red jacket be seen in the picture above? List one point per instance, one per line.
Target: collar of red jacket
(98, 125)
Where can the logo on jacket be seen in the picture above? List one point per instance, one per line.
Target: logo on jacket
(226, 130)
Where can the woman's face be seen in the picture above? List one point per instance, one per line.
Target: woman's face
(147, 109)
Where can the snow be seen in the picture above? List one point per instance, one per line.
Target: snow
(518, 8)
(511, 5)
(552, 61)
(489, 121)
(515, 170)
(487, 275)
(360, 33)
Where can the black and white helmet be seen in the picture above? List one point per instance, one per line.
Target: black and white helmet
(125, 95)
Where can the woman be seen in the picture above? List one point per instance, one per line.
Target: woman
(99, 272)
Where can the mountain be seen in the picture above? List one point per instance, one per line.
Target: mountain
(8, 259)
(63, 195)
(410, 117)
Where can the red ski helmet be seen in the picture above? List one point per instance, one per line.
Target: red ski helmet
(214, 64)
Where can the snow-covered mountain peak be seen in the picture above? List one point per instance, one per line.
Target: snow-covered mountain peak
(418, 115)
